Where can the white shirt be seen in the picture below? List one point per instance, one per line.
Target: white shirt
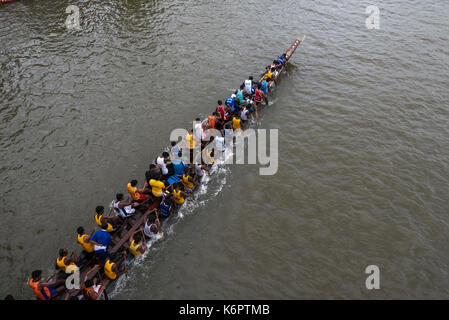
(161, 164)
(248, 86)
(220, 143)
(199, 130)
(243, 114)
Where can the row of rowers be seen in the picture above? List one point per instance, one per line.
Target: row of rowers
(242, 105)
(166, 181)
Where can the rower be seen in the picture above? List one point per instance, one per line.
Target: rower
(136, 194)
(152, 226)
(283, 59)
(188, 180)
(153, 171)
(231, 103)
(175, 150)
(252, 107)
(270, 74)
(259, 95)
(91, 289)
(157, 186)
(249, 89)
(65, 263)
(101, 240)
(166, 207)
(221, 110)
(236, 122)
(244, 115)
(211, 120)
(161, 162)
(179, 195)
(99, 219)
(83, 240)
(45, 290)
(135, 244)
(112, 270)
(266, 88)
(124, 209)
(239, 94)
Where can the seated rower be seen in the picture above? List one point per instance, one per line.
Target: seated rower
(166, 207)
(270, 74)
(244, 115)
(259, 95)
(65, 263)
(179, 195)
(101, 240)
(211, 120)
(136, 194)
(113, 269)
(236, 123)
(266, 88)
(157, 187)
(161, 162)
(175, 150)
(100, 219)
(88, 247)
(136, 245)
(151, 173)
(252, 107)
(232, 103)
(45, 290)
(240, 95)
(283, 59)
(124, 209)
(92, 288)
(188, 179)
(249, 86)
(152, 226)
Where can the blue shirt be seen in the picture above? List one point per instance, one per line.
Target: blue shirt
(264, 87)
(281, 59)
(230, 102)
(102, 237)
(164, 209)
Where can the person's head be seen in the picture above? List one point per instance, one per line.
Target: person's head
(218, 126)
(211, 138)
(89, 283)
(168, 201)
(272, 69)
(284, 55)
(250, 78)
(119, 196)
(36, 274)
(138, 237)
(268, 79)
(220, 102)
(9, 297)
(165, 155)
(62, 252)
(242, 86)
(133, 183)
(104, 226)
(99, 209)
(173, 143)
(233, 96)
(237, 116)
(152, 166)
(215, 113)
(275, 61)
(197, 119)
(259, 86)
(80, 230)
(151, 218)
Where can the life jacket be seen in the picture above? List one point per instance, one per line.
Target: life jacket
(177, 197)
(186, 181)
(87, 246)
(230, 102)
(42, 294)
(133, 249)
(236, 124)
(211, 120)
(268, 75)
(258, 96)
(157, 187)
(98, 220)
(264, 86)
(190, 141)
(108, 270)
(164, 209)
(86, 292)
(61, 264)
(132, 192)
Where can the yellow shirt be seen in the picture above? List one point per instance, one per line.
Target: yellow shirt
(157, 187)
(177, 196)
(186, 181)
(269, 75)
(61, 264)
(87, 246)
(108, 270)
(236, 124)
(133, 249)
(190, 141)
(132, 192)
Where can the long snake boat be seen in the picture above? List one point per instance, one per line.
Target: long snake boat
(120, 237)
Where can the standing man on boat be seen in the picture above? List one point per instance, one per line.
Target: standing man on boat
(249, 86)
(45, 290)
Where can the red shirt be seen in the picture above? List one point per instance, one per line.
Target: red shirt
(221, 111)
